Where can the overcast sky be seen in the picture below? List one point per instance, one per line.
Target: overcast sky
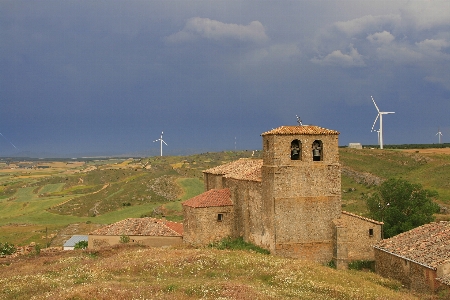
(107, 77)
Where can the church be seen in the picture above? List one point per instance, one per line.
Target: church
(288, 202)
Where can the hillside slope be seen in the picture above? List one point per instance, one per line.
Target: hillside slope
(134, 272)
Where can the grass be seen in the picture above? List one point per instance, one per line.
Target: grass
(136, 272)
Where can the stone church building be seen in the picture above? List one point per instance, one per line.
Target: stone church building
(288, 202)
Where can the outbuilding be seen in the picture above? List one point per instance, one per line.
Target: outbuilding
(145, 231)
(419, 258)
(70, 243)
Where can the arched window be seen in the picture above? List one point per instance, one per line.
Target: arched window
(296, 150)
(317, 150)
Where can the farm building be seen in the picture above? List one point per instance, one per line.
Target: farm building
(70, 243)
(145, 231)
(355, 145)
(288, 202)
(419, 258)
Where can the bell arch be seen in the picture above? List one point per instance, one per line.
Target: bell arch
(296, 150)
(317, 150)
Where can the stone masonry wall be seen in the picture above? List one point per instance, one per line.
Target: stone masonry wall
(305, 194)
(410, 274)
(202, 227)
(249, 212)
(359, 241)
(99, 241)
(212, 181)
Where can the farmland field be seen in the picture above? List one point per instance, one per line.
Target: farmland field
(104, 191)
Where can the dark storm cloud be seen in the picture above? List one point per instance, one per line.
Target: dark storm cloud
(105, 76)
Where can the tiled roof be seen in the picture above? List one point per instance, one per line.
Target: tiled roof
(244, 169)
(362, 218)
(211, 198)
(444, 280)
(303, 129)
(428, 245)
(175, 226)
(141, 226)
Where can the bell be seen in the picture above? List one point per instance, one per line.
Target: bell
(316, 152)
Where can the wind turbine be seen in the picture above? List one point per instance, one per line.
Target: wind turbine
(380, 114)
(161, 140)
(439, 134)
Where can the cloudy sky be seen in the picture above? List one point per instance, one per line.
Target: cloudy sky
(107, 77)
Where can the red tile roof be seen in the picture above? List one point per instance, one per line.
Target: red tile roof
(211, 198)
(304, 129)
(244, 169)
(141, 226)
(362, 218)
(175, 226)
(428, 245)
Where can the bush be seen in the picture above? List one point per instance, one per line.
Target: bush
(7, 249)
(81, 245)
(124, 239)
(361, 265)
(237, 244)
(331, 264)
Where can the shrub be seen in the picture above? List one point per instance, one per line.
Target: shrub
(331, 264)
(81, 245)
(7, 249)
(124, 239)
(362, 264)
(237, 244)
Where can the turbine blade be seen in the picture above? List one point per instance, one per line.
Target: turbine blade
(374, 122)
(375, 104)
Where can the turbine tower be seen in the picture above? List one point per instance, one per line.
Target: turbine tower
(439, 134)
(161, 140)
(380, 114)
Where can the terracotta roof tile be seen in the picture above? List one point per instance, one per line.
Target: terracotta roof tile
(428, 244)
(244, 169)
(304, 129)
(141, 226)
(211, 198)
(175, 226)
(362, 218)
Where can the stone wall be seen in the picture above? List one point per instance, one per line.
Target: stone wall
(361, 235)
(212, 181)
(277, 149)
(412, 275)
(201, 225)
(305, 195)
(100, 241)
(249, 211)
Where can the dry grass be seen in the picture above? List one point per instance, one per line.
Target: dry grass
(132, 272)
(429, 151)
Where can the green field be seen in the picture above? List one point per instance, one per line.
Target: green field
(106, 191)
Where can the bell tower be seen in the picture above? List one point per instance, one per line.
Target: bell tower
(301, 190)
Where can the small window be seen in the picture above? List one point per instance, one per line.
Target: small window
(219, 217)
(370, 232)
(296, 150)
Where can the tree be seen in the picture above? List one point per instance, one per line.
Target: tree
(402, 206)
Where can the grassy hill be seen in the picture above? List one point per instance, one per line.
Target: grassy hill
(134, 272)
(47, 206)
(38, 204)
